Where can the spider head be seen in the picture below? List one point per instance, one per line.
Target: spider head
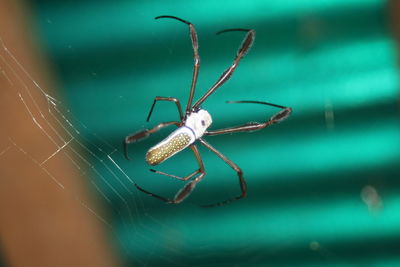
(199, 121)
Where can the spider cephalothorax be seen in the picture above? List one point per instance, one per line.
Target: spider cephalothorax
(193, 126)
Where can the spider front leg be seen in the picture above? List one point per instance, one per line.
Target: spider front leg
(254, 126)
(171, 99)
(145, 133)
(242, 182)
(244, 48)
(196, 57)
(185, 191)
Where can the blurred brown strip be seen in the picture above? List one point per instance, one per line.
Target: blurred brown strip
(41, 223)
(394, 16)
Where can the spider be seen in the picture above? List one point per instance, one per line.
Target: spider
(194, 123)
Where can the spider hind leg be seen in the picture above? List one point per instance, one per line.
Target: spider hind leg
(235, 167)
(183, 193)
(188, 177)
(186, 190)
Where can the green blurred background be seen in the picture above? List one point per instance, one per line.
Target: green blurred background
(323, 186)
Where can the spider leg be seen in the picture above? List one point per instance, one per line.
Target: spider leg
(253, 126)
(242, 182)
(176, 177)
(171, 99)
(196, 67)
(187, 177)
(145, 133)
(185, 191)
(180, 196)
(247, 42)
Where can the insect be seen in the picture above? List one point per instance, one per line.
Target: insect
(194, 124)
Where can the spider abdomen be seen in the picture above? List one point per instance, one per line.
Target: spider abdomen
(174, 143)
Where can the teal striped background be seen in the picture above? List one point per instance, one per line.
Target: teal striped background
(332, 61)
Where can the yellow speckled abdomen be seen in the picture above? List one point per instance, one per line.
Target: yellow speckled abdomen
(168, 148)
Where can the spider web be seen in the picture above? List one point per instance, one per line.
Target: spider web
(152, 233)
(144, 233)
(93, 158)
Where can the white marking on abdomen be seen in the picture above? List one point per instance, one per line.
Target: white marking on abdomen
(177, 141)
